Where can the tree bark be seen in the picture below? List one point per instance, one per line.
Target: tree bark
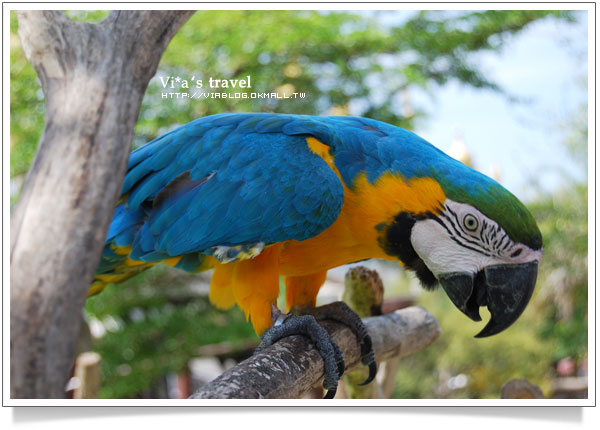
(293, 366)
(94, 77)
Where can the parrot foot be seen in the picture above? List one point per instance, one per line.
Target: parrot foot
(290, 324)
(342, 313)
(306, 324)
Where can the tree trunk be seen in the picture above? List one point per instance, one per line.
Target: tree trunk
(94, 77)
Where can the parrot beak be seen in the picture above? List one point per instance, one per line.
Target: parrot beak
(505, 289)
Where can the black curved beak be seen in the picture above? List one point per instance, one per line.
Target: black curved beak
(505, 289)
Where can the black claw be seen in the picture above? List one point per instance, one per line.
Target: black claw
(339, 359)
(330, 393)
(368, 358)
(366, 347)
(372, 373)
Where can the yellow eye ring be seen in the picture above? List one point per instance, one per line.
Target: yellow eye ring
(470, 222)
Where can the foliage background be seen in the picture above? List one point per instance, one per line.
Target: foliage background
(346, 62)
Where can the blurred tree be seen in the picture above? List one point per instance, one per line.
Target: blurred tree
(563, 220)
(345, 62)
(155, 323)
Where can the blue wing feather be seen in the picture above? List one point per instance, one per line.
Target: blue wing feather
(264, 186)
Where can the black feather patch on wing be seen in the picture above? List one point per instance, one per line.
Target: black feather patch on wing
(181, 183)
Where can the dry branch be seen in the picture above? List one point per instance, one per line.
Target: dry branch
(292, 366)
(94, 77)
(87, 372)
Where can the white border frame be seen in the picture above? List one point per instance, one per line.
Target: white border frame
(590, 7)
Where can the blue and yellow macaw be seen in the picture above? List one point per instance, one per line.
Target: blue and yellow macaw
(259, 196)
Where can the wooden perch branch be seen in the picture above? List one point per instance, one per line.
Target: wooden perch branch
(292, 366)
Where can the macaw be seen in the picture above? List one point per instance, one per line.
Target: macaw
(259, 196)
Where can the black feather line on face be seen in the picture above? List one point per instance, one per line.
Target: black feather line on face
(395, 241)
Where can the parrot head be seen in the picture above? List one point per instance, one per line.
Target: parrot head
(478, 263)
(481, 244)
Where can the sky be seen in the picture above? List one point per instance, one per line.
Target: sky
(545, 65)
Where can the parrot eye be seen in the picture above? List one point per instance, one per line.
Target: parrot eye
(470, 222)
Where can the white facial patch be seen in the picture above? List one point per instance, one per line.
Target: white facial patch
(462, 239)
